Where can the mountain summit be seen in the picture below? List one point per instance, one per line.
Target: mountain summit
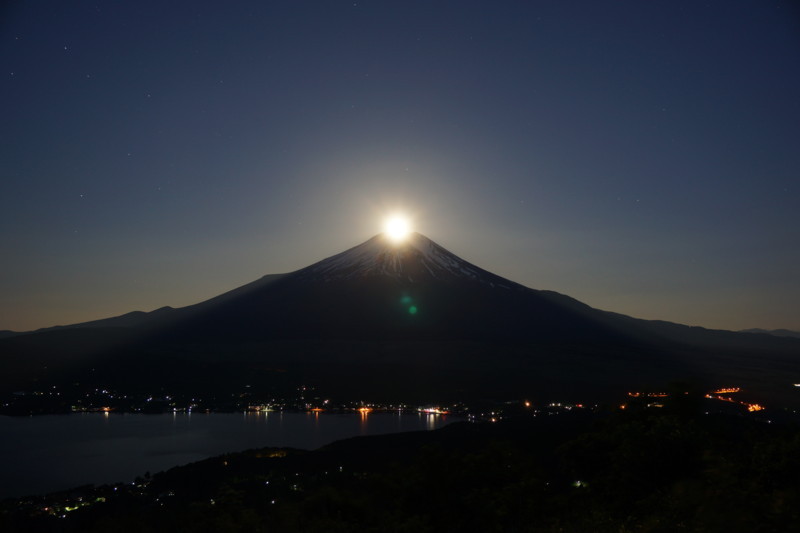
(414, 259)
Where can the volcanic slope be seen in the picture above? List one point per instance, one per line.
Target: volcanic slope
(413, 290)
(403, 319)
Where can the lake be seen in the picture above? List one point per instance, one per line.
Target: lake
(54, 452)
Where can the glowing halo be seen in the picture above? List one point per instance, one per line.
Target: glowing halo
(397, 228)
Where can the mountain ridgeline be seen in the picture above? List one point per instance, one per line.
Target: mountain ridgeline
(397, 320)
(380, 290)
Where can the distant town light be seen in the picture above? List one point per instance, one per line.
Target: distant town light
(434, 410)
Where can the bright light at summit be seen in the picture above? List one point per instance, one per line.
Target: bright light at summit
(397, 227)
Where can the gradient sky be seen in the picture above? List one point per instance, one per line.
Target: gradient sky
(642, 157)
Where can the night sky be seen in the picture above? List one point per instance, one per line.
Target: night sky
(640, 156)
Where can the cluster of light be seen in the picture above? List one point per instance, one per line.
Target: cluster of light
(433, 410)
(722, 398)
(717, 395)
(270, 454)
(648, 394)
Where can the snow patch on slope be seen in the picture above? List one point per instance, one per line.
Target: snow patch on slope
(415, 259)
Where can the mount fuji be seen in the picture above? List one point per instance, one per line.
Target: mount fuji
(396, 319)
(386, 290)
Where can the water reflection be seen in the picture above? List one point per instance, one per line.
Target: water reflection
(364, 426)
(430, 422)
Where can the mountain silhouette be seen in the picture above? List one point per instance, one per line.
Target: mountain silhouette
(413, 290)
(397, 320)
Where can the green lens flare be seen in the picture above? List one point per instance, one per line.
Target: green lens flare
(412, 310)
